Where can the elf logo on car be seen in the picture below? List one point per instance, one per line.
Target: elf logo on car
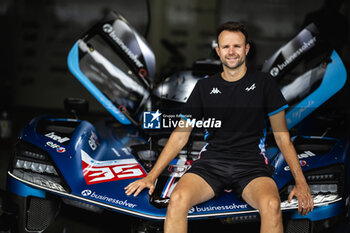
(93, 141)
(110, 170)
(61, 150)
(58, 148)
(57, 138)
(302, 163)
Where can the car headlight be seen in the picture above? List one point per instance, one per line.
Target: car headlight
(33, 164)
(326, 185)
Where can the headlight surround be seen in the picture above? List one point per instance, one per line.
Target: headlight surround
(34, 165)
(326, 185)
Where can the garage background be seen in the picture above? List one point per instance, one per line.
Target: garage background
(36, 37)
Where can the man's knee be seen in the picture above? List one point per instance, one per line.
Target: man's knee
(179, 199)
(270, 205)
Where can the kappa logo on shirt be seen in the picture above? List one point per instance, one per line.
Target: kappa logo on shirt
(215, 91)
(252, 87)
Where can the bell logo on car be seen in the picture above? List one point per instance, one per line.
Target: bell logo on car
(57, 138)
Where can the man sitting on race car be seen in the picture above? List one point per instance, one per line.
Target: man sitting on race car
(234, 155)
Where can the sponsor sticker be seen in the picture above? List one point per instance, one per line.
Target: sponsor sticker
(302, 163)
(93, 141)
(57, 138)
(58, 148)
(89, 193)
(107, 28)
(301, 50)
(86, 192)
(110, 170)
(61, 150)
(306, 154)
(116, 152)
(126, 151)
(233, 206)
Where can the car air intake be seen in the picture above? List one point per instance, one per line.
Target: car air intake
(40, 214)
(298, 226)
(317, 146)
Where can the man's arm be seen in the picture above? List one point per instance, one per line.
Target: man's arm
(301, 189)
(176, 142)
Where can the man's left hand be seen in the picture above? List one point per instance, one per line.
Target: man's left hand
(303, 194)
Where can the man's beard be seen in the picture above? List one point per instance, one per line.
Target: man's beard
(238, 64)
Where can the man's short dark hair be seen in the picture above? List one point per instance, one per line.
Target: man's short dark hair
(232, 27)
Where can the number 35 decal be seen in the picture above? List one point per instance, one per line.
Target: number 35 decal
(110, 170)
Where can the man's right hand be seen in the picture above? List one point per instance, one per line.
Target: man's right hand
(137, 186)
(176, 142)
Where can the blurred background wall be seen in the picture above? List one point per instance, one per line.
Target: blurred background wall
(36, 36)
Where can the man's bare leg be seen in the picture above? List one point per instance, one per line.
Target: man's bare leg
(191, 190)
(262, 194)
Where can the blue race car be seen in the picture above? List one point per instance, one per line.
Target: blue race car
(87, 165)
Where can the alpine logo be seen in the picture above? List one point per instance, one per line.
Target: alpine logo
(252, 87)
(215, 91)
(162, 201)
